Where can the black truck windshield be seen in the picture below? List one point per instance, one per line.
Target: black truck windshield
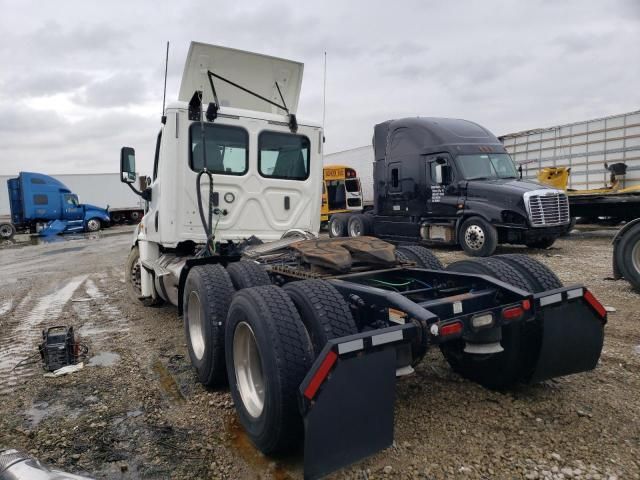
(486, 166)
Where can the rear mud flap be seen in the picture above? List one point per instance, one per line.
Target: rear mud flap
(572, 338)
(352, 415)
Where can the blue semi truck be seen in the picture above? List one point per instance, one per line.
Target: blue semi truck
(41, 204)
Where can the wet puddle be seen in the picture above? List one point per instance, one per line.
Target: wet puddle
(167, 382)
(104, 359)
(39, 411)
(30, 240)
(278, 470)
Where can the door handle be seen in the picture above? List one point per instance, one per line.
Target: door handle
(287, 202)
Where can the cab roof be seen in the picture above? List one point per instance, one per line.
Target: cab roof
(425, 135)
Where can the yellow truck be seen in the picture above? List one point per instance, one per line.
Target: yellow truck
(341, 192)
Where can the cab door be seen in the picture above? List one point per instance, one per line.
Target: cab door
(443, 195)
(71, 208)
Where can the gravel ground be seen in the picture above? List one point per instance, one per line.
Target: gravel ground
(136, 410)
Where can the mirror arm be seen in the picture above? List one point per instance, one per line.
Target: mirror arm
(145, 194)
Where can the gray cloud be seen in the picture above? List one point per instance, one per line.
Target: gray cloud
(509, 67)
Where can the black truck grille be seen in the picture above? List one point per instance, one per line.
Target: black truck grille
(547, 209)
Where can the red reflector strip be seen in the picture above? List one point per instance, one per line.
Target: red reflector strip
(595, 304)
(321, 374)
(451, 329)
(513, 312)
(526, 304)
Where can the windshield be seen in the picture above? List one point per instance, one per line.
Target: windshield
(486, 166)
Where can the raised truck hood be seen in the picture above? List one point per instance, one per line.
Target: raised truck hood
(255, 72)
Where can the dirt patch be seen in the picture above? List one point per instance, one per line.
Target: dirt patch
(144, 415)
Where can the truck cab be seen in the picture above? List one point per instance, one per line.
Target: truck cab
(37, 200)
(231, 164)
(450, 181)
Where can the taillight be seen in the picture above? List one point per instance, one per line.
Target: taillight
(595, 304)
(451, 328)
(512, 313)
(321, 374)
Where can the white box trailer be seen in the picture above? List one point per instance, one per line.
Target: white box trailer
(361, 160)
(99, 189)
(584, 147)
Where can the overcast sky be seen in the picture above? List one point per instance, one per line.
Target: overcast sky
(80, 79)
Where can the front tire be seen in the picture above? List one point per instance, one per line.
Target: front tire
(477, 237)
(93, 225)
(268, 353)
(133, 273)
(207, 295)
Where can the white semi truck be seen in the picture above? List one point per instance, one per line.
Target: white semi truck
(309, 333)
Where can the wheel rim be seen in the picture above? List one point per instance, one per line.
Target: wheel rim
(135, 216)
(5, 231)
(93, 225)
(355, 229)
(474, 237)
(248, 369)
(335, 229)
(635, 257)
(196, 327)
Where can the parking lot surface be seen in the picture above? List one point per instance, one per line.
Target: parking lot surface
(137, 411)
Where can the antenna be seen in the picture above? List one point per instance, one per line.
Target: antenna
(164, 94)
(324, 94)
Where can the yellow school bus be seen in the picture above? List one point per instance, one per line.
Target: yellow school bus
(341, 191)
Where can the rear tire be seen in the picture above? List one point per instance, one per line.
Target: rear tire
(7, 231)
(477, 237)
(264, 382)
(539, 276)
(542, 244)
(423, 257)
(358, 225)
(338, 225)
(499, 370)
(245, 274)
(207, 295)
(323, 310)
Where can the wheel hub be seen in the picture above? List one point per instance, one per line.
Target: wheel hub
(474, 237)
(5, 231)
(195, 323)
(248, 369)
(355, 230)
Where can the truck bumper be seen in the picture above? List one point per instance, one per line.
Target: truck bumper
(520, 235)
(347, 398)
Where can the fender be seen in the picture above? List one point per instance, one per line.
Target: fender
(486, 211)
(618, 236)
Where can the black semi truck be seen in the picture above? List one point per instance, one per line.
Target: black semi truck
(450, 181)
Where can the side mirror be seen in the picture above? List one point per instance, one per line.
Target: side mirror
(443, 174)
(127, 165)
